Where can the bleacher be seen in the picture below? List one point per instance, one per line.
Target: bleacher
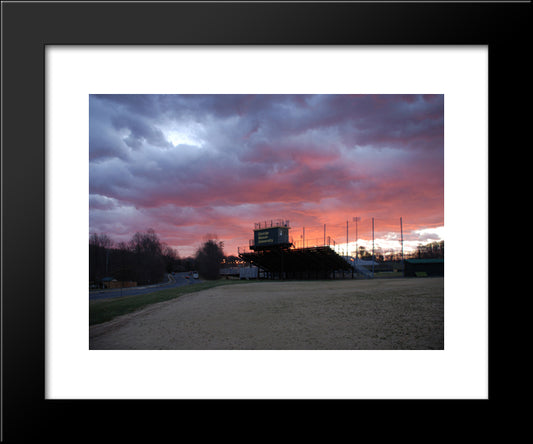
(298, 263)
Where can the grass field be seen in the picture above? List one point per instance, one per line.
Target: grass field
(103, 310)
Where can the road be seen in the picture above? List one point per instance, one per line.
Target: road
(176, 280)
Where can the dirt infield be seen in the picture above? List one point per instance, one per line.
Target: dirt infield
(379, 314)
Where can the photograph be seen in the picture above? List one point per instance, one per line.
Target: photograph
(187, 249)
(249, 201)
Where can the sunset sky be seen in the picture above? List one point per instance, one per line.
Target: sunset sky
(192, 165)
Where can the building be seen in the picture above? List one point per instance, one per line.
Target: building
(423, 267)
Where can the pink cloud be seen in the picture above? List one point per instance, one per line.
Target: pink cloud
(311, 159)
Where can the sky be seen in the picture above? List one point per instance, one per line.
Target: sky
(191, 166)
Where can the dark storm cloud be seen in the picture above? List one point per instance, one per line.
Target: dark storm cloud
(179, 159)
(98, 202)
(140, 132)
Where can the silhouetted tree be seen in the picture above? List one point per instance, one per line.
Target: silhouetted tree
(148, 250)
(99, 251)
(364, 254)
(171, 259)
(187, 264)
(431, 250)
(144, 259)
(209, 257)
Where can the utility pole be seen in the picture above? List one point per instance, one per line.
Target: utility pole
(356, 219)
(324, 234)
(372, 247)
(401, 237)
(347, 248)
(123, 272)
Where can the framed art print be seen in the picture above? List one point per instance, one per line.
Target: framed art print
(185, 123)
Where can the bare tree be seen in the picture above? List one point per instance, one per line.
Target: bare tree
(149, 264)
(100, 240)
(99, 251)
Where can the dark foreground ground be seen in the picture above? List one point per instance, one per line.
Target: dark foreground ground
(379, 314)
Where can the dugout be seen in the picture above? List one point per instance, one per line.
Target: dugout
(423, 267)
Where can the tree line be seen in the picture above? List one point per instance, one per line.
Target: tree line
(145, 259)
(432, 250)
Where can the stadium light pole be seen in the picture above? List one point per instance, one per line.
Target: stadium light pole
(401, 237)
(372, 247)
(347, 249)
(356, 219)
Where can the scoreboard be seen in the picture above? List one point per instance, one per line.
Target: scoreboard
(271, 236)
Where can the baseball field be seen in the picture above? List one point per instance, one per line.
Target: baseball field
(378, 314)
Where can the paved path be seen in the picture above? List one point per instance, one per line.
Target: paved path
(176, 280)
